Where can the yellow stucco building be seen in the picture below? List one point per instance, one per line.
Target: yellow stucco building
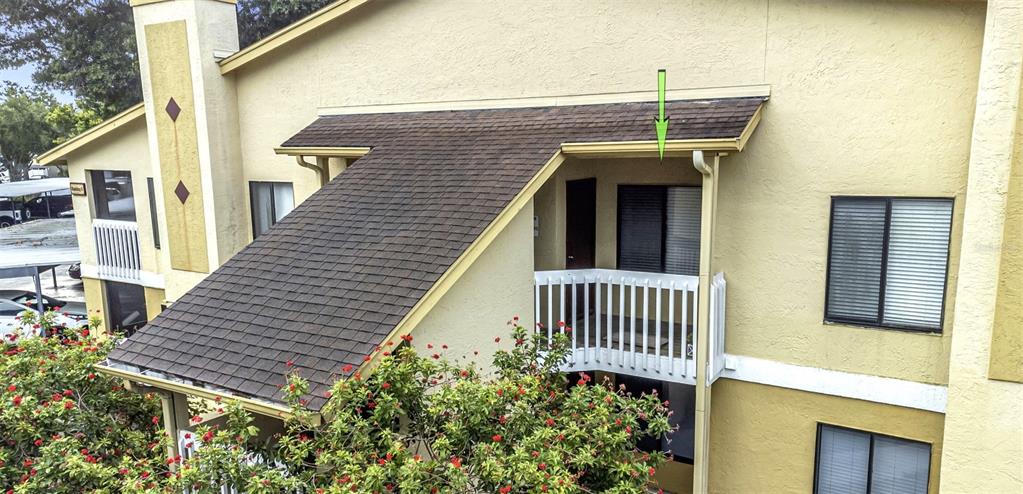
(823, 272)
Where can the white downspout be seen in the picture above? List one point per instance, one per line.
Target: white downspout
(701, 445)
(320, 170)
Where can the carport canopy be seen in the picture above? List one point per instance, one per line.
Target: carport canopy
(36, 247)
(32, 187)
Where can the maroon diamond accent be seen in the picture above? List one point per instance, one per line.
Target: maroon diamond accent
(181, 191)
(173, 110)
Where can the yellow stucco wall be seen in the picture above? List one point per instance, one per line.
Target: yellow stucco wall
(983, 425)
(170, 76)
(1006, 362)
(763, 438)
(154, 301)
(866, 98)
(497, 287)
(125, 149)
(94, 300)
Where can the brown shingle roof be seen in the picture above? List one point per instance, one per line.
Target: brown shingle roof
(328, 283)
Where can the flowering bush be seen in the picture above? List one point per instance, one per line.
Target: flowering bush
(64, 427)
(422, 424)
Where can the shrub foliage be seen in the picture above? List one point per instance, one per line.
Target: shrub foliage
(413, 424)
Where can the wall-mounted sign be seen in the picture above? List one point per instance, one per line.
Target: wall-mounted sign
(77, 188)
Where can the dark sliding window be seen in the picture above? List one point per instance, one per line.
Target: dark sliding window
(659, 229)
(126, 306)
(887, 261)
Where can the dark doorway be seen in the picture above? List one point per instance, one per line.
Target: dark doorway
(581, 234)
(580, 223)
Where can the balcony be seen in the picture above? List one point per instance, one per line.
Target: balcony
(630, 322)
(117, 250)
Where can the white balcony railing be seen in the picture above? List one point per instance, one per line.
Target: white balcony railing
(628, 322)
(117, 250)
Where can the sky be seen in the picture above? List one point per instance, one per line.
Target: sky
(23, 76)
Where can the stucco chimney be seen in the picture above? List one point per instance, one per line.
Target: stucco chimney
(191, 115)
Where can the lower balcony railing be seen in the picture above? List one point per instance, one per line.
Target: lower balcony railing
(117, 250)
(629, 322)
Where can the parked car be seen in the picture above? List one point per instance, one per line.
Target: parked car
(10, 312)
(58, 204)
(9, 214)
(74, 310)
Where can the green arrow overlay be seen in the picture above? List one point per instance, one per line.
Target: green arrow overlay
(661, 122)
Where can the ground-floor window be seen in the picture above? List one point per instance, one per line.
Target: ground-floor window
(856, 462)
(126, 306)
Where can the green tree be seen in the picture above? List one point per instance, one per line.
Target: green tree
(259, 18)
(24, 130)
(88, 47)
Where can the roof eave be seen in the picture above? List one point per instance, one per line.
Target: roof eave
(252, 405)
(291, 32)
(103, 128)
(339, 152)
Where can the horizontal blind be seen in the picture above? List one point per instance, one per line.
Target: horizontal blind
(682, 242)
(899, 466)
(917, 259)
(640, 228)
(842, 461)
(856, 258)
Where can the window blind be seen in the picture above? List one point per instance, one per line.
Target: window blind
(899, 467)
(640, 227)
(682, 229)
(857, 249)
(888, 261)
(917, 256)
(843, 458)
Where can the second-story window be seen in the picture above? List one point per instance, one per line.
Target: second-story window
(887, 263)
(270, 202)
(112, 195)
(659, 229)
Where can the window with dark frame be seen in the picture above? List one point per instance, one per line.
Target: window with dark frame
(888, 262)
(659, 228)
(112, 195)
(270, 202)
(850, 461)
(126, 306)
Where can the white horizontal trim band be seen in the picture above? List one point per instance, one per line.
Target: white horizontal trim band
(151, 280)
(898, 392)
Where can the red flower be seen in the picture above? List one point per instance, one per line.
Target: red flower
(208, 436)
(550, 422)
(91, 376)
(346, 369)
(456, 461)
(385, 385)
(496, 438)
(652, 471)
(542, 466)
(38, 442)
(12, 388)
(69, 405)
(505, 490)
(156, 420)
(17, 401)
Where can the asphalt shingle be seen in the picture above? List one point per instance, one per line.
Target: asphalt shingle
(326, 285)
